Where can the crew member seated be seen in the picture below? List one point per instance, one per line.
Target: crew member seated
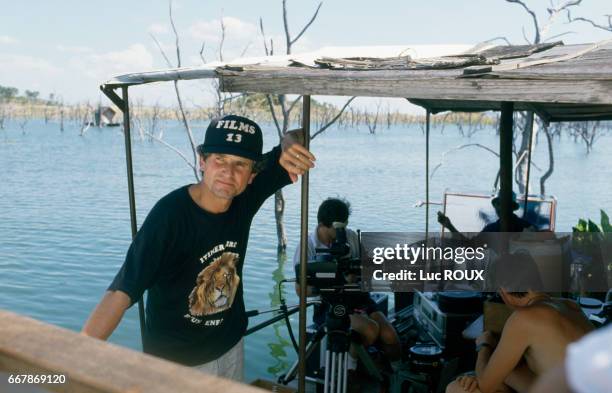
(372, 325)
(534, 338)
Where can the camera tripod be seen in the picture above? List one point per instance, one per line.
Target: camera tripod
(339, 338)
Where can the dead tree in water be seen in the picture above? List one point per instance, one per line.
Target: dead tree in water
(588, 132)
(182, 115)
(223, 101)
(371, 120)
(526, 121)
(61, 115)
(3, 113)
(286, 108)
(86, 120)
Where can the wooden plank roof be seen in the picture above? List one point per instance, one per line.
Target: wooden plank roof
(559, 82)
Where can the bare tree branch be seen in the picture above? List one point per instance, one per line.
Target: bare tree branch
(245, 49)
(525, 36)
(559, 35)
(551, 161)
(496, 39)
(286, 25)
(332, 121)
(222, 39)
(261, 29)
(314, 16)
(597, 25)
(161, 50)
(554, 12)
(290, 41)
(533, 16)
(176, 88)
(174, 149)
(176, 36)
(202, 52)
(293, 105)
(271, 105)
(433, 172)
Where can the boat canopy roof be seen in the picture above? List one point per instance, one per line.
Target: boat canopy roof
(558, 82)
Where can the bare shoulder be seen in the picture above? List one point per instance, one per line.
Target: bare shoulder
(532, 316)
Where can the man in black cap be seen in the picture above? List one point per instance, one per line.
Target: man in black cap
(189, 252)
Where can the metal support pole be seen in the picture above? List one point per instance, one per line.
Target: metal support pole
(303, 251)
(427, 123)
(130, 177)
(530, 125)
(505, 165)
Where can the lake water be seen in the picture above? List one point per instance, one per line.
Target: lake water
(64, 214)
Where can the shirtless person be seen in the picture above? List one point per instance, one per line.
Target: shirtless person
(534, 339)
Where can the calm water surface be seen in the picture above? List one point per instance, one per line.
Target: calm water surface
(64, 214)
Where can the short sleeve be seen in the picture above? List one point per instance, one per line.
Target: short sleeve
(271, 178)
(146, 256)
(353, 241)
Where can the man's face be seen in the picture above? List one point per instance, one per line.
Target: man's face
(226, 175)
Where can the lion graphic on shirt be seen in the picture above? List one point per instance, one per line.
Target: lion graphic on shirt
(216, 286)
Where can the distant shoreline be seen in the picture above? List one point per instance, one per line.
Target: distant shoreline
(255, 107)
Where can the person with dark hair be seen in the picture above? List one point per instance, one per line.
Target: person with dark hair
(534, 339)
(189, 252)
(371, 324)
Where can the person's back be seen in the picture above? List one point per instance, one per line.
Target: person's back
(535, 336)
(552, 325)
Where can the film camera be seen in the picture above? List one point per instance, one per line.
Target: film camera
(333, 270)
(335, 275)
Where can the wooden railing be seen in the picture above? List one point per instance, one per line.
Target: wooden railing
(30, 347)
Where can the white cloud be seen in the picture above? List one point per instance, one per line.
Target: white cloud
(158, 28)
(74, 49)
(102, 66)
(235, 30)
(5, 39)
(11, 64)
(27, 72)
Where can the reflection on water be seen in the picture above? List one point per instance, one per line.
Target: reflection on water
(279, 347)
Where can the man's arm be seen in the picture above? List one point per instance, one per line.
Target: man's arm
(493, 366)
(107, 315)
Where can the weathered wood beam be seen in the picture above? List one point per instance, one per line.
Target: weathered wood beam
(407, 85)
(28, 346)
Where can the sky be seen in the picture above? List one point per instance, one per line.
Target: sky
(69, 47)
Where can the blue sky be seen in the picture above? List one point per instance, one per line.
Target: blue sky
(69, 47)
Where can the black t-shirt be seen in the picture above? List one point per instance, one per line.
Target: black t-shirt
(191, 262)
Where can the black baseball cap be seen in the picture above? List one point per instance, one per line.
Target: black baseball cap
(235, 135)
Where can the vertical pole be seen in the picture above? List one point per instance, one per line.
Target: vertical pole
(304, 251)
(530, 125)
(427, 122)
(130, 177)
(505, 165)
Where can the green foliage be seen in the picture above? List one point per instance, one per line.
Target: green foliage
(8, 93)
(589, 226)
(31, 95)
(587, 234)
(605, 222)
